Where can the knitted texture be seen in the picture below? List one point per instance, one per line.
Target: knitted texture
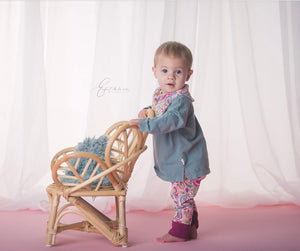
(92, 145)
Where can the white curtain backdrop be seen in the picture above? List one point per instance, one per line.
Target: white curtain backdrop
(69, 69)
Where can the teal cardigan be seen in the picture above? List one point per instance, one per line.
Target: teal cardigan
(178, 142)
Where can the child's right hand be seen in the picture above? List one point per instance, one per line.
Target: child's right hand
(142, 114)
(146, 113)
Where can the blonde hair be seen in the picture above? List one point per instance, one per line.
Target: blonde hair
(175, 49)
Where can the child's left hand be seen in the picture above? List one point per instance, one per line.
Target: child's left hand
(135, 122)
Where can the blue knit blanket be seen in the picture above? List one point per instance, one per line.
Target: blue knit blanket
(92, 145)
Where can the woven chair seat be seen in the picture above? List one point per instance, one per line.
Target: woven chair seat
(83, 192)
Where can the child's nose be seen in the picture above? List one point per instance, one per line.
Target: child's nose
(171, 75)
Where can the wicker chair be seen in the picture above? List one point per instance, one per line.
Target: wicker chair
(124, 146)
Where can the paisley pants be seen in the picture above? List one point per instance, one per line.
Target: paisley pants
(183, 193)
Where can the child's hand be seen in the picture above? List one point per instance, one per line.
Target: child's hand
(146, 113)
(134, 122)
(150, 113)
(142, 114)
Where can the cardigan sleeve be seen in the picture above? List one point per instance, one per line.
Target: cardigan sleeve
(174, 118)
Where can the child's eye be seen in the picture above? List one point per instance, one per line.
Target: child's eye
(178, 72)
(164, 70)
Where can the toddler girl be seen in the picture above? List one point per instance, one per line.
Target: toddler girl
(180, 152)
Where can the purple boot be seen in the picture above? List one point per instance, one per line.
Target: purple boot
(180, 230)
(183, 231)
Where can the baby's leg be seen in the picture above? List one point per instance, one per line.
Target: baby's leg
(195, 224)
(185, 221)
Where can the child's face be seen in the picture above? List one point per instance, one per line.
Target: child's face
(171, 73)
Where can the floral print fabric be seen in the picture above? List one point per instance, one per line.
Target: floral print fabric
(183, 193)
(161, 101)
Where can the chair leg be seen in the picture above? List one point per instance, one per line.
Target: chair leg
(123, 232)
(51, 232)
(117, 209)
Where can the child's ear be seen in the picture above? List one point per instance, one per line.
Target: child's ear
(189, 75)
(154, 71)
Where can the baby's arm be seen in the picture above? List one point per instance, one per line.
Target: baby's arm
(174, 118)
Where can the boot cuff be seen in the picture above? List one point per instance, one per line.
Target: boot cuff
(180, 230)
